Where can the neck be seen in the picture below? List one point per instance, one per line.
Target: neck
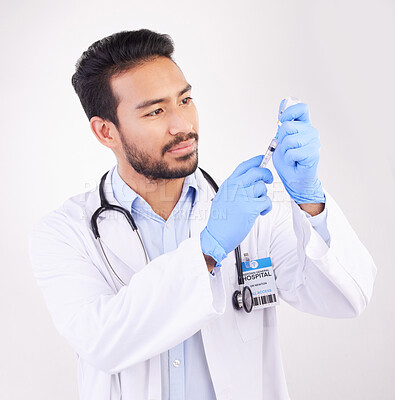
(161, 194)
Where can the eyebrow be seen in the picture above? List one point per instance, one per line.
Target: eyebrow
(148, 103)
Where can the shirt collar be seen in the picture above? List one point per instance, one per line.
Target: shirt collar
(124, 195)
(190, 187)
(127, 197)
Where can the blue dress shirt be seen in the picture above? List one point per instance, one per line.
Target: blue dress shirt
(185, 373)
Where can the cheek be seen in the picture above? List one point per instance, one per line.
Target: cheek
(195, 118)
(151, 144)
(148, 134)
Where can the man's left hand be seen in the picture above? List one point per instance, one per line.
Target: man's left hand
(297, 155)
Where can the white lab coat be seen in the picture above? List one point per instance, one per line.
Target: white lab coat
(119, 332)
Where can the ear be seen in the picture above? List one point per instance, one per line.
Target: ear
(105, 132)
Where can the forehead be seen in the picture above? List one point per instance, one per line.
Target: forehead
(157, 78)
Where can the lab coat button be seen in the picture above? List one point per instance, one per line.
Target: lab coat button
(176, 363)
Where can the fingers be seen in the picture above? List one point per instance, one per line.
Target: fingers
(253, 182)
(297, 112)
(262, 205)
(246, 165)
(256, 174)
(298, 143)
(266, 205)
(299, 140)
(292, 128)
(289, 128)
(255, 191)
(306, 156)
(259, 189)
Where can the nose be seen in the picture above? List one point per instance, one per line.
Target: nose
(179, 122)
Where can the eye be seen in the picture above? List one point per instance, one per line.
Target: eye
(155, 112)
(187, 100)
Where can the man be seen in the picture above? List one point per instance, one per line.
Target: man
(161, 321)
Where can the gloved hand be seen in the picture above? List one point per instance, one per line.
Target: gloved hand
(239, 201)
(297, 155)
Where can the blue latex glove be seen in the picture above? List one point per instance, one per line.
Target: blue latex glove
(297, 155)
(236, 206)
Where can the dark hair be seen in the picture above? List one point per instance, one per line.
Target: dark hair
(113, 55)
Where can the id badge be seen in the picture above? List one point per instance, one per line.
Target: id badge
(259, 276)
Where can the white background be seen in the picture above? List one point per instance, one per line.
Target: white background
(241, 58)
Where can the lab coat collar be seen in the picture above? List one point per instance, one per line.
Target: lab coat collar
(116, 234)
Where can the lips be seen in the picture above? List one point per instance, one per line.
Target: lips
(182, 145)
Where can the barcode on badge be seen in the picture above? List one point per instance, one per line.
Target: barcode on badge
(262, 300)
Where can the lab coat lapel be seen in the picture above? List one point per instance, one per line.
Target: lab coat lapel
(118, 236)
(116, 233)
(200, 215)
(201, 211)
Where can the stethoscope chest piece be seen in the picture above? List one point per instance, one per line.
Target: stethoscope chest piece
(243, 299)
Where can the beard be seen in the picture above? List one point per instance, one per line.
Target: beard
(144, 164)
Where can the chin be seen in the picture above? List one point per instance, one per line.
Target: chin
(184, 165)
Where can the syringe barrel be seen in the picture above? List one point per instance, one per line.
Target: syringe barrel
(273, 144)
(269, 152)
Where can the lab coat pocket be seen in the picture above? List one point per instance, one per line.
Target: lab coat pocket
(250, 325)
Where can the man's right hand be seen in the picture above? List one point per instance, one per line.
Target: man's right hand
(236, 206)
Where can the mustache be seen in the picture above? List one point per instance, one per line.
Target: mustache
(179, 139)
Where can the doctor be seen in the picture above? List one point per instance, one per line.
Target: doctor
(158, 321)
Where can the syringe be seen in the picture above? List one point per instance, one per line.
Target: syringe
(289, 101)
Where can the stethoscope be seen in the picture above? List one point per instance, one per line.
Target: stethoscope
(241, 298)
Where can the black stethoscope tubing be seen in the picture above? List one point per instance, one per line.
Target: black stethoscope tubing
(240, 299)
